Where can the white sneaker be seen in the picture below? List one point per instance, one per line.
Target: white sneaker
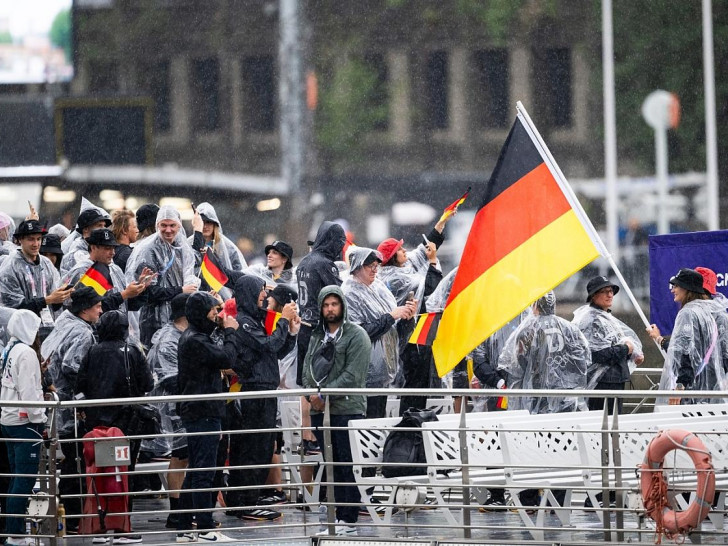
(100, 540)
(341, 529)
(214, 536)
(184, 538)
(20, 541)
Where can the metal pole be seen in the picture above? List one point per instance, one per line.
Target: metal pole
(610, 130)
(711, 133)
(663, 225)
(462, 436)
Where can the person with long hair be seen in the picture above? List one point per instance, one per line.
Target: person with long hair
(124, 227)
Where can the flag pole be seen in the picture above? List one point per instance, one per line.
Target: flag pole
(576, 205)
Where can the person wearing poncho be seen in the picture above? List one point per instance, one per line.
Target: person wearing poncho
(75, 247)
(546, 352)
(615, 349)
(168, 254)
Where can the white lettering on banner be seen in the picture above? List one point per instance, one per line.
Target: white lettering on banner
(121, 453)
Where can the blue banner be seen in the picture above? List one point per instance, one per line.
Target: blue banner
(670, 253)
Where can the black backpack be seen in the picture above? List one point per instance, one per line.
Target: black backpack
(406, 446)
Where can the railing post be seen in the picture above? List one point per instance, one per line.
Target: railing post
(617, 461)
(462, 436)
(52, 482)
(606, 514)
(328, 461)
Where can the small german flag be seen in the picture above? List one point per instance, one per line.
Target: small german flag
(450, 209)
(271, 321)
(502, 402)
(426, 329)
(212, 272)
(98, 277)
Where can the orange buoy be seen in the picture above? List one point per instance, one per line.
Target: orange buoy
(654, 487)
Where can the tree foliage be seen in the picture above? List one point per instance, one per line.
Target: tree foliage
(60, 33)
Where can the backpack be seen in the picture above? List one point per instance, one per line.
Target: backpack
(406, 446)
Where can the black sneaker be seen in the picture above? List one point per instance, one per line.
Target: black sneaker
(379, 508)
(274, 497)
(301, 503)
(492, 505)
(259, 514)
(311, 447)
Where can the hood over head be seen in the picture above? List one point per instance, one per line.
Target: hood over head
(168, 212)
(546, 304)
(330, 240)
(360, 256)
(247, 290)
(196, 309)
(7, 227)
(24, 324)
(113, 326)
(207, 211)
(327, 291)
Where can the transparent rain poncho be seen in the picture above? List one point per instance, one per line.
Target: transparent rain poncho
(287, 276)
(603, 330)
(367, 304)
(408, 278)
(7, 228)
(546, 352)
(174, 263)
(162, 359)
(436, 301)
(228, 253)
(71, 245)
(77, 252)
(5, 314)
(697, 352)
(20, 279)
(66, 346)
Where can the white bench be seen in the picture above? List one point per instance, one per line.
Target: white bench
(441, 406)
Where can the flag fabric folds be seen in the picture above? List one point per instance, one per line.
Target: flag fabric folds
(528, 235)
(450, 209)
(98, 277)
(425, 329)
(212, 272)
(271, 321)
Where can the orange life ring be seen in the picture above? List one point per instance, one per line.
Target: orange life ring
(654, 486)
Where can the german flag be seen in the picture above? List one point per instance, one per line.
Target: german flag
(212, 272)
(450, 209)
(271, 321)
(502, 402)
(98, 277)
(426, 329)
(529, 234)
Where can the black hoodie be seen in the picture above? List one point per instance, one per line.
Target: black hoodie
(257, 363)
(317, 269)
(102, 373)
(200, 358)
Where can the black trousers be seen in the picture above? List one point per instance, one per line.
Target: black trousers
(598, 403)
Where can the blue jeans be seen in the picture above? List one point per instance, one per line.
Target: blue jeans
(202, 454)
(24, 458)
(341, 451)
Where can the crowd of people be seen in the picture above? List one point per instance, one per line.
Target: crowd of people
(118, 308)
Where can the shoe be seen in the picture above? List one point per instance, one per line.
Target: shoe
(379, 508)
(171, 522)
(275, 497)
(234, 513)
(341, 529)
(184, 538)
(128, 539)
(214, 536)
(20, 541)
(429, 504)
(311, 447)
(100, 540)
(259, 514)
(492, 505)
(301, 503)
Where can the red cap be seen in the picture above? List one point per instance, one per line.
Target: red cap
(389, 248)
(710, 279)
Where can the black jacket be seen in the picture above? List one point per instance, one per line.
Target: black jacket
(102, 373)
(317, 269)
(257, 364)
(200, 358)
(122, 255)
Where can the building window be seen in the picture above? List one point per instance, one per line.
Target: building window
(260, 97)
(103, 77)
(156, 82)
(436, 92)
(379, 98)
(206, 94)
(491, 96)
(558, 73)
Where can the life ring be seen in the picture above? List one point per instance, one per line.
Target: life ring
(654, 486)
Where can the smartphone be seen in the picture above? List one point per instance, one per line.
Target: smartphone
(194, 208)
(425, 240)
(410, 296)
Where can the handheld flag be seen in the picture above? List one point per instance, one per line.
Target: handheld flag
(502, 403)
(271, 321)
(212, 272)
(426, 329)
(98, 277)
(450, 209)
(529, 234)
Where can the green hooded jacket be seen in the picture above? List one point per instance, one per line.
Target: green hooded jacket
(351, 360)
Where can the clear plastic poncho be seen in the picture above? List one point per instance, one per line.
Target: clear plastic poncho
(162, 359)
(603, 330)
(408, 278)
(436, 301)
(367, 304)
(75, 235)
(174, 263)
(20, 279)
(7, 228)
(228, 253)
(78, 252)
(66, 346)
(546, 352)
(287, 276)
(697, 341)
(5, 314)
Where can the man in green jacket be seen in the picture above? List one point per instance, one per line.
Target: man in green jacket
(338, 357)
